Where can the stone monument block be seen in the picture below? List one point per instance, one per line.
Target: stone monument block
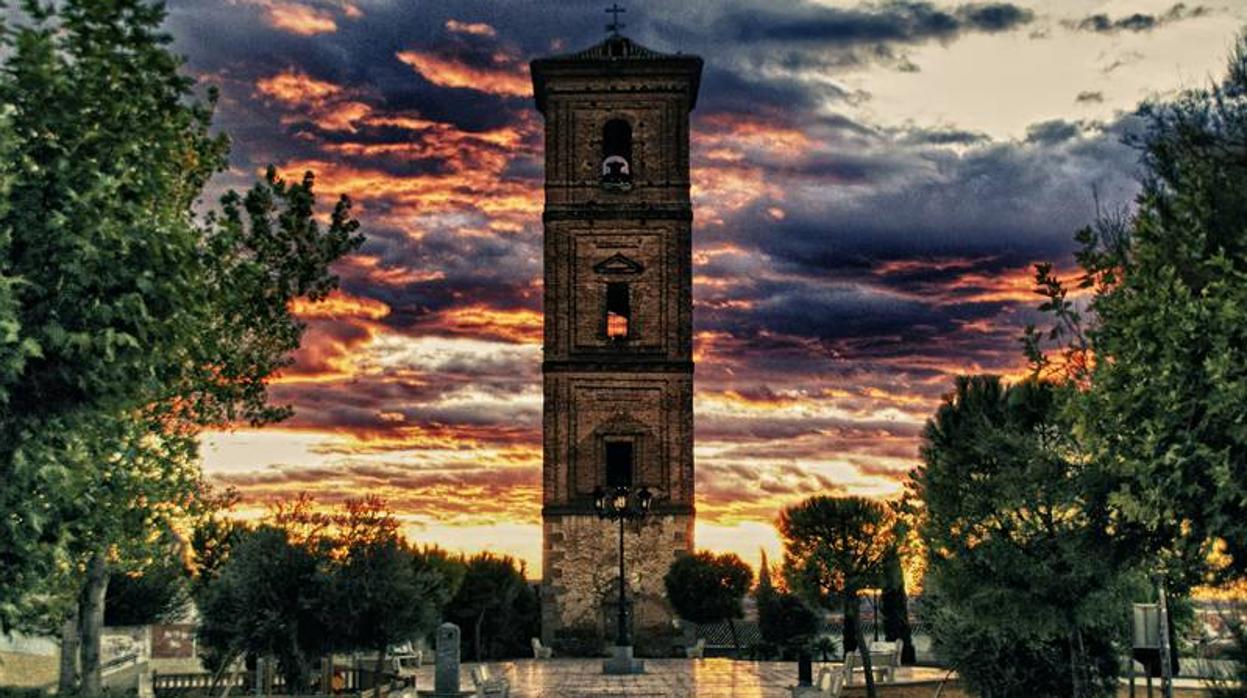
(446, 676)
(446, 664)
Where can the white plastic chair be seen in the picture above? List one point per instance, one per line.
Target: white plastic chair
(830, 683)
(489, 684)
(540, 651)
(885, 657)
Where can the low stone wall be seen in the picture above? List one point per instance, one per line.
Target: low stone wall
(954, 689)
(28, 670)
(916, 689)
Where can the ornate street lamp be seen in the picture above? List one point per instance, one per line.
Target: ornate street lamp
(622, 504)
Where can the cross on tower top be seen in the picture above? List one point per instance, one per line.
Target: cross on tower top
(615, 24)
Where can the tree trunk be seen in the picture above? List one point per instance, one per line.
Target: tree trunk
(376, 683)
(852, 619)
(863, 651)
(1075, 656)
(476, 636)
(92, 622)
(735, 640)
(68, 681)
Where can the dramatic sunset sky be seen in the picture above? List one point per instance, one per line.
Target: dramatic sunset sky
(872, 182)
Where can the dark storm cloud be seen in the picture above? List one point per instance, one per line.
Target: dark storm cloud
(1139, 22)
(995, 16)
(945, 137)
(897, 22)
(845, 267)
(236, 43)
(919, 251)
(1012, 200)
(1052, 132)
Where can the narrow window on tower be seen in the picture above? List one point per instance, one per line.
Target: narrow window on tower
(618, 310)
(617, 154)
(618, 463)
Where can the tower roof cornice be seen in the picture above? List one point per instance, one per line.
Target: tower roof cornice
(616, 55)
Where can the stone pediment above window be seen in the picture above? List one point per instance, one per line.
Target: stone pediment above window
(618, 264)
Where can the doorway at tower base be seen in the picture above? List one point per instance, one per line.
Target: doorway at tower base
(580, 592)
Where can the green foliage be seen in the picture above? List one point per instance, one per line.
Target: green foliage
(380, 596)
(127, 321)
(834, 547)
(1019, 581)
(709, 588)
(158, 594)
(14, 692)
(272, 598)
(495, 607)
(786, 622)
(1165, 373)
(895, 606)
(450, 568)
(309, 582)
(1003, 660)
(1234, 683)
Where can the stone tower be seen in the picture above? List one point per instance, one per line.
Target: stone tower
(618, 369)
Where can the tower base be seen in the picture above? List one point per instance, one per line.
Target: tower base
(621, 662)
(580, 583)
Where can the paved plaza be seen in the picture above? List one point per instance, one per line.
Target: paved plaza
(565, 678)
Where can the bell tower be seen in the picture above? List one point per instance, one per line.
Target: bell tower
(618, 369)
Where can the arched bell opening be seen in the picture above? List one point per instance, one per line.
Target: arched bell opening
(617, 154)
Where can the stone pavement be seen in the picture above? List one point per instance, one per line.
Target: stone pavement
(569, 678)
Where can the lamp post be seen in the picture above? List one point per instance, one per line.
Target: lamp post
(622, 504)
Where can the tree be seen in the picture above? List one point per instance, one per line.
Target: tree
(271, 599)
(1233, 682)
(159, 594)
(1022, 594)
(785, 621)
(708, 588)
(495, 606)
(310, 581)
(833, 548)
(380, 596)
(127, 322)
(895, 605)
(450, 569)
(1162, 347)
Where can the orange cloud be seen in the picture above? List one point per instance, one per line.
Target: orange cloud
(339, 304)
(474, 28)
(328, 348)
(297, 88)
(520, 325)
(370, 267)
(509, 80)
(297, 18)
(317, 100)
(731, 135)
(409, 198)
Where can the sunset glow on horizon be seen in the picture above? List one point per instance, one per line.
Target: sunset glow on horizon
(872, 183)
